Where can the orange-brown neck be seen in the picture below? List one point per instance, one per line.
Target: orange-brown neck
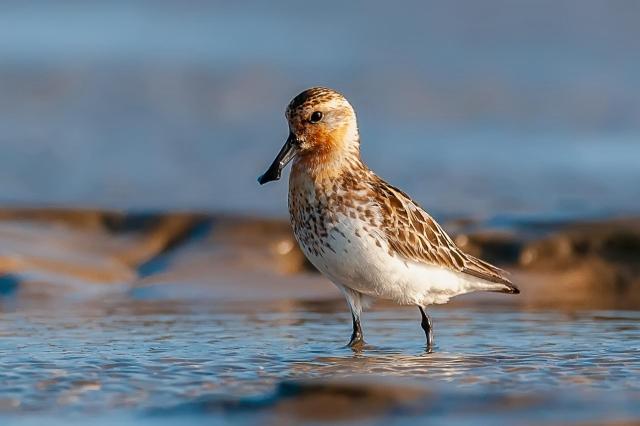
(326, 153)
(329, 160)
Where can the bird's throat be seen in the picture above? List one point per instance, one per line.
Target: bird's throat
(327, 164)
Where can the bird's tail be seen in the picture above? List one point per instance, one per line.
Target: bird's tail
(497, 278)
(508, 288)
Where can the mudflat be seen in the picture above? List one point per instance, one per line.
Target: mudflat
(168, 317)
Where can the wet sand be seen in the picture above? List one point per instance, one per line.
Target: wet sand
(54, 253)
(187, 317)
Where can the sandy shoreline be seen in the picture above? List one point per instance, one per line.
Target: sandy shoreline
(48, 253)
(173, 316)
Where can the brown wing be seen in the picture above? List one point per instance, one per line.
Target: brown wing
(414, 235)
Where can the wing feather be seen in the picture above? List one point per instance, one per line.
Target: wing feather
(413, 234)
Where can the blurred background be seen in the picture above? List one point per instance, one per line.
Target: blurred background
(146, 277)
(472, 107)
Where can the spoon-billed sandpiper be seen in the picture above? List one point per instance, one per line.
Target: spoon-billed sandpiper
(368, 237)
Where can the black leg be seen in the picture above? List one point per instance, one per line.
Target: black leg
(428, 328)
(356, 336)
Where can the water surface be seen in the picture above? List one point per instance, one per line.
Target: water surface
(140, 360)
(179, 104)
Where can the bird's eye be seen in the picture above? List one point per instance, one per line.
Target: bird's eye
(315, 117)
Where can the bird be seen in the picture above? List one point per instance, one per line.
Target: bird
(366, 236)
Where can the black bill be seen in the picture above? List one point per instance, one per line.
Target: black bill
(283, 158)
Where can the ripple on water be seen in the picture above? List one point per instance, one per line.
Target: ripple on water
(75, 363)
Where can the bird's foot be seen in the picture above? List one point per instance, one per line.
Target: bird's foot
(427, 326)
(357, 338)
(429, 348)
(357, 342)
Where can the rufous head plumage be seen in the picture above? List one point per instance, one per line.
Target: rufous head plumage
(323, 121)
(322, 130)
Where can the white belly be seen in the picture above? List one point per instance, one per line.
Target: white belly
(361, 261)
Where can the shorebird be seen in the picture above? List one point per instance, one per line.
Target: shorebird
(369, 238)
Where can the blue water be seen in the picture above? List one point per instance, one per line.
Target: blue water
(140, 361)
(474, 109)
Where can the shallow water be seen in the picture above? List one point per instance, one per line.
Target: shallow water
(145, 361)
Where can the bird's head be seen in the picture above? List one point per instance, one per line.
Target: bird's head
(322, 131)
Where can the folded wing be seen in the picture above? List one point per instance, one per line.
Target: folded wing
(414, 235)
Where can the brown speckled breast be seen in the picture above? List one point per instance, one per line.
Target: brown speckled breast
(316, 205)
(384, 213)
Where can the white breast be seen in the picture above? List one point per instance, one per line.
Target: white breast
(360, 260)
(353, 252)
